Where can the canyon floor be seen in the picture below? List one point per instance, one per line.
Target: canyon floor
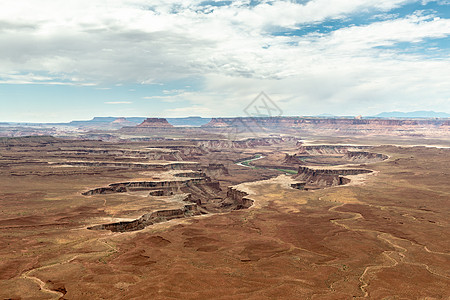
(267, 218)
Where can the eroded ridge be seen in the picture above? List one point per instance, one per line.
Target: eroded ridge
(159, 216)
(205, 195)
(133, 186)
(336, 155)
(200, 195)
(326, 177)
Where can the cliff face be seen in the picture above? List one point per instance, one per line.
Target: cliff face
(347, 127)
(214, 170)
(328, 149)
(247, 143)
(148, 166)
(326, 177)
(239, 198)
(124, 187)
(364, 157)
(200, 196)
(155, 123)
(291, 160)
(298, 122)
(154, 154)
(217, 123)
(150, 219)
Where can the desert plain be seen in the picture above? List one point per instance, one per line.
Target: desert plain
(192, 214)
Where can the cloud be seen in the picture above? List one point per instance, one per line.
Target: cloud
(131, 41)
(414, 29)
(232, 51)
(118, 102)
(31, 78)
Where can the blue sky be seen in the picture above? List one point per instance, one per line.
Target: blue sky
(171, 58)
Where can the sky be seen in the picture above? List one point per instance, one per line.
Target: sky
(77, 59)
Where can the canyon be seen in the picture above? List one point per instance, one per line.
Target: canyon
(159, 212)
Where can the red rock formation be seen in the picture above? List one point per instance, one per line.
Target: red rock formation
(326, 177)
(218, 122)
(155, 123)
(239, 197)
(364, 157)
(247, 143)
(150, 219)
(291, 160)
(328, 149)
(341, 126)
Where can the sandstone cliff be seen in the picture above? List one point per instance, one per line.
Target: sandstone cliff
(155, 123)
(339, 126)
(326, 177)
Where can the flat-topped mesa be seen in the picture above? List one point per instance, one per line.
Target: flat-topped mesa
(155, 123)
(319, 178)
(328, 149)
(217, 123)
(343, 126)
(158, 216)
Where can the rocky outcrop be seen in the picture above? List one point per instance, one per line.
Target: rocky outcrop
(208, 191)
(201, 190)
(328, 149)
(247, 143)
(106, 190)
(30, 141)
(334, 126)
(326, 177)
(218, 123)
(291, 159)
(274, 122)
(158, 193)
(159, 216)
(153, 154)
(148, 166)
(364, 157)
(238, 199)
(155, 123)
(147, 185)
(215, 169)
(298, 185)
(190, 174)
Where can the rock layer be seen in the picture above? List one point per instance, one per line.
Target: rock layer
(326, 177)
(150, 219)
(155, 123)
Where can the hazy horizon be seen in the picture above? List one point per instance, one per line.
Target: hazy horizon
(210, 117)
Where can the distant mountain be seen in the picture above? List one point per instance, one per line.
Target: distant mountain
(189, 121)
(413, 114)
(108, 121)
(132, 121)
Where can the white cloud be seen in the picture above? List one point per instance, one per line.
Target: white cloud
(230, 50)
(412, 29)
(118, 102)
